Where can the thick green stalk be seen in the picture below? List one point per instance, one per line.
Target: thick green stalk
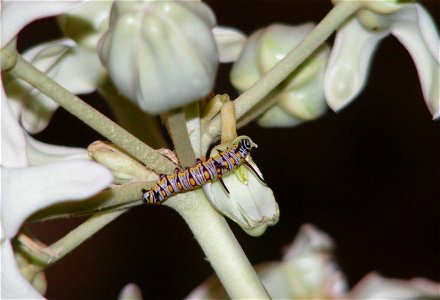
(220, 246)
(92, 117)
(210, 228)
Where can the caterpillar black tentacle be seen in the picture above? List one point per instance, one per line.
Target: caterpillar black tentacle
(202, 172)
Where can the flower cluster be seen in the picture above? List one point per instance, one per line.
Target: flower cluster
(160, 58)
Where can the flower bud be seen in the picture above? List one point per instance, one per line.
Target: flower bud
(250, 202)
(160, 54)
(300, 97)
(124, 168)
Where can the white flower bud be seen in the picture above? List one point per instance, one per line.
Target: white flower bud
(250, 202)
(160, 54)
(300, 97)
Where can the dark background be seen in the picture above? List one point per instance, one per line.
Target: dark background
(368, 176)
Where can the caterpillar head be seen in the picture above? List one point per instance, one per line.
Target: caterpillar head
(244, 142)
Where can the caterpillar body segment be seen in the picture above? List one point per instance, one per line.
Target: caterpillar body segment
(202, 172)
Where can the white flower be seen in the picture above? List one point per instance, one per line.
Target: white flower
(250, 203)
(160, 54)
(76, 68)
(357, 40)
(26, 189)
(301, 96)
(31, 179)
(307, 271)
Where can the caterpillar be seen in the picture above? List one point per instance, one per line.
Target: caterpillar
(202, 172)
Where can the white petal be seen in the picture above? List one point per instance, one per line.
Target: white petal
(276, 116)
(77, 69)
(17, 14)
(13, 144)
(27, 190)
(374, 286)
(306, 271)
(230, 42)
(41, 153)
(275, 280)
(428, 30)
(309, 240)
(349, 63)
(87, 23)
(406, 29)
(13, 284)
(130, 292)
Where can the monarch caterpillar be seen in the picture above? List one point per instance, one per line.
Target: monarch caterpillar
(202, 172)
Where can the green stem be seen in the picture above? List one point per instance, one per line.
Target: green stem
(92, 117)
(128, 115)
(179, 134)
(51, 254)
(117, 198)
(210, 229)
(252, 96)
(220, 246)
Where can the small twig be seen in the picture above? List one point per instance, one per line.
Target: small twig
(229, 128)
(51, 254)
(117, 198)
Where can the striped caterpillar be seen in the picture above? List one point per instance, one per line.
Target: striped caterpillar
(202, 172)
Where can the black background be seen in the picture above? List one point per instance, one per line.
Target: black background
(368, 176)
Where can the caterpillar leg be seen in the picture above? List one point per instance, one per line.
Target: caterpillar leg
(223, 184)
(144, 198)
(253, 170)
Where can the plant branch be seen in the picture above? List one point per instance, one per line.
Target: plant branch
(210, 228)
(116, 198)
(92, 117)
(128, 115)
(51, 254)
(252, 96)
(179, 134)
(219, 245)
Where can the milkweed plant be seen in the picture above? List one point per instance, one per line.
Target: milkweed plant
(162, 58)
